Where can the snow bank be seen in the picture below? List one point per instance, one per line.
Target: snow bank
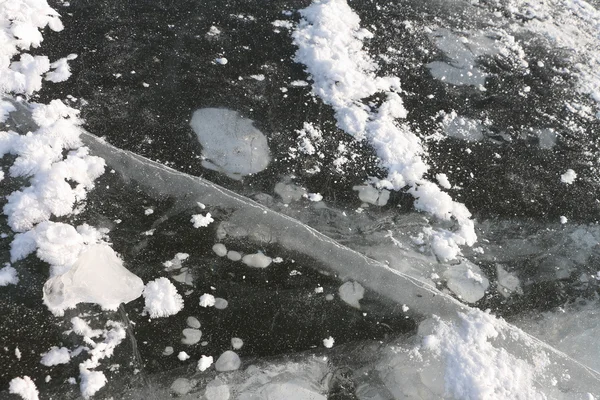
(24, 387)
(330, 44)
(161, 298)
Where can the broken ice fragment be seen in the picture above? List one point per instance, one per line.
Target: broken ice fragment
(351, 293)
(467, 281)
(230, 143)
(228, 361)
(98, 276)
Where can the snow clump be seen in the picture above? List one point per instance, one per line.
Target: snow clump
(161, 298)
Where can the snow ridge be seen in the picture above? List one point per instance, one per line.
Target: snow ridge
(330, 44)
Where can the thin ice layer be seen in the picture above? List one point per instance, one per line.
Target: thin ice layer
(421, 298)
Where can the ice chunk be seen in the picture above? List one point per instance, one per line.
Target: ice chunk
(230, 143)
(168, 351)
(217, 390)
(220, 249)
(56, 356)
(568, 177)
(507, 283)
(182, 386)
(257, 260)
(204, 363)
(24, 387)
(351, 293)
(368, 194)
(193, 322)
(191, 336)
(467, 281)
(182, 356)
(228, 361)
(237, 343)
(112, 284)
(161, 298)
(8, 276)
(220, 303)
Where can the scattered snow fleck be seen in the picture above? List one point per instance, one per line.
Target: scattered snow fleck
(204, 363)
(91, 382)
(443, 181)
(148, 211)
(259, 77)
(81, 328)
(168, 351)
(319, 289)
(24, 387)
(228, 361)
(221, 60)
(328, 342)
(568, 177)
(56, 356)
(8, 276)
(563, 219)
(213, 31)
(183, 356)
(314, 197)
(200, 220)
(405, 308)
(17, 353)
(282, 24)
(207, 300)
(161, 298)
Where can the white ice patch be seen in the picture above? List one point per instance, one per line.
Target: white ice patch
(230, 143)
(60, 70)
(257, 260)
(351, 293)
(8, 276)
(371, 195)
(220, 249)
(56, 356)
(191, 336)
(466, 281)
(330, 44)
(112, 284)
(228, 361)
(161, 298)
(24, 387)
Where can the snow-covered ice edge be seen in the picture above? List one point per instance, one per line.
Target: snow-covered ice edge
(330, 45)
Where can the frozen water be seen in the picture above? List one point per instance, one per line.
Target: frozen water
(191, 336)
(98, 263)
(230, 143)
(193, 322)
(467, 281)
(228, 361)
(351, 293)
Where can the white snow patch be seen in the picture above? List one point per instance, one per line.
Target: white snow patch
(204, 363)
(328, 342)
(24, 387)
(91, 382)
(207, 300)
(182, 356)
(201, 221)
(443, 181)
(56, 356)
(568, 177)
(161, 298)
(8, 276)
